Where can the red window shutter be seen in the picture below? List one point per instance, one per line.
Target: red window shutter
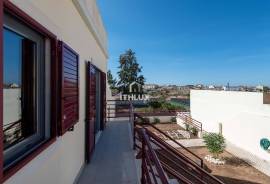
(69, 65)
(103, 100)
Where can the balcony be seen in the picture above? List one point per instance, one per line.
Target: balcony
(128, 152)
(136, 151)
(114, 158)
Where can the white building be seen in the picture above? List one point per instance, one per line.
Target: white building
(245, 120)
(71, 45)
(149, 86)
(260, 87)
(211, 87)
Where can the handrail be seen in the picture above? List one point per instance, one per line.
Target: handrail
(11, 125)
(167, 146)
(190, 120)
(150, 159)
(190, 171)
(169, 137)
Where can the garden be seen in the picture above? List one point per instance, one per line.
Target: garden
(157, 106)
(225, 166)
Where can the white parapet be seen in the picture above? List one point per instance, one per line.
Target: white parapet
(243, 115)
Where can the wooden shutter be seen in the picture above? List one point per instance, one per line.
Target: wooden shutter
(90, 110)
(103, 100)
(69, 65)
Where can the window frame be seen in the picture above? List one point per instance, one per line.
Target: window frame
(36, 138)
(11, 9)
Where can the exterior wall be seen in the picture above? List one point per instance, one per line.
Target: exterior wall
(62, 161)
(244, 117)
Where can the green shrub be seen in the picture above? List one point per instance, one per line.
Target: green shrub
(142, 120)
(156, 120)
(215, 143)
(173, 119)
(168, 106)
(155, 104)
(194, 131)
(146, 120)
(187, 126)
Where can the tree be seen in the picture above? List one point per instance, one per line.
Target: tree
(129, 71)
(266, 89)
(215, 143)
(112, 82)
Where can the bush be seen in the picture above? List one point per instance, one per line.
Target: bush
(194, 131)
(156, 120)
(173, 119)
(146, 120)
(142, 120)
(215, 143)
(168, 106)
(155, 104)
(187, 126)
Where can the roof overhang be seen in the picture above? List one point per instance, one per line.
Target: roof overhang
(90, 14)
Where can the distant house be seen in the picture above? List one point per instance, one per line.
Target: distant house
(199, 86)
(150, 86)
(260, 88)
(14, 85)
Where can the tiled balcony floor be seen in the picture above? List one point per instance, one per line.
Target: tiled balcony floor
(113, 161)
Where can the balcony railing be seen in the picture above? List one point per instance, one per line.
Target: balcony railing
(185, 152)
(152, 171)
(161, 161)
(189, 120)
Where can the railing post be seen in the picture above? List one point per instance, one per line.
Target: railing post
(109, 114)
(132, 121)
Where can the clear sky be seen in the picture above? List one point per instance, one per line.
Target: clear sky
(12, 57)
(192, 41)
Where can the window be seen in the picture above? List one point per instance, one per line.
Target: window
(26, 90)
(69, 60)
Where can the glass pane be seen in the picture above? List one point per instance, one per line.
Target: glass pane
(16, 100)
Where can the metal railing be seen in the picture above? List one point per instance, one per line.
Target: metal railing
(151, 169)
(178, 166)
(192, 156)
(12, 133)
(117, 109)
(120, 109)
(189, 120)
(174, 163)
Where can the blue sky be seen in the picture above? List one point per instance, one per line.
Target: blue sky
(12, 60)
(192, 41)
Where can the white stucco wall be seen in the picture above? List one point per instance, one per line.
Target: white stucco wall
(62, 161)
(244, 117)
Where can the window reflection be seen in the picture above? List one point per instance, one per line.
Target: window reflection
(16, 93)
